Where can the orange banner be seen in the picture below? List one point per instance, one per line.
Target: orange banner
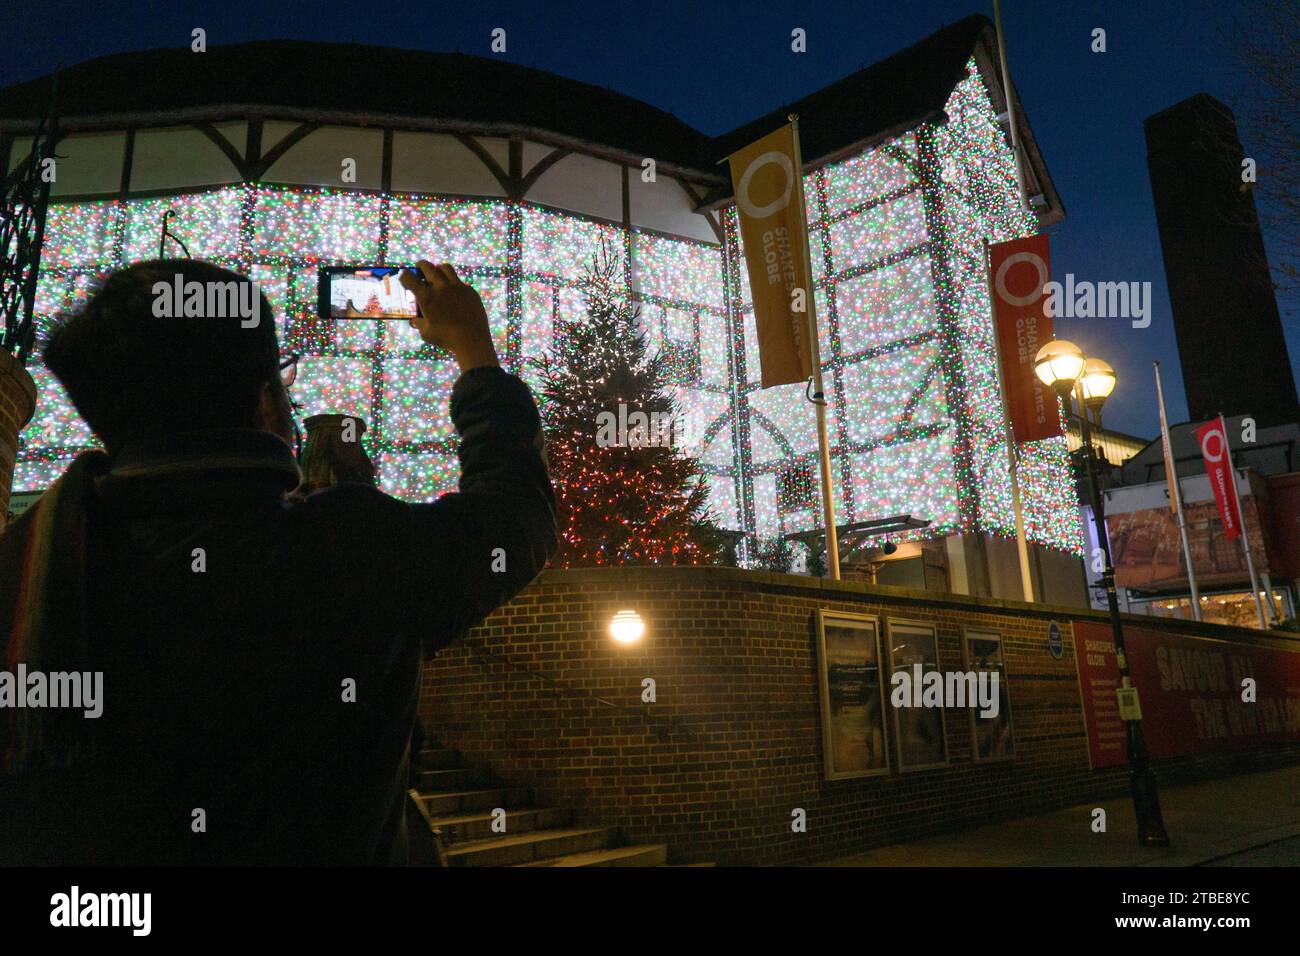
(1018, 270)
(765, 176)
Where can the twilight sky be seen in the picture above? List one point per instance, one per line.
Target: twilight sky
(717, 65)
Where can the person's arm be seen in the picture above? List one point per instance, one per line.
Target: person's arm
(490, 539)
(451, 315)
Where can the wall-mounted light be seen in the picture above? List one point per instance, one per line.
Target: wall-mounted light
(626, 627)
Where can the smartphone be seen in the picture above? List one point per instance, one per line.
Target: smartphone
(365, 292)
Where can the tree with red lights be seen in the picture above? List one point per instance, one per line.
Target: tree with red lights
(627, 493)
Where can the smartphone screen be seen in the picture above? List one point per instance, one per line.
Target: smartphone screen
(364, 292)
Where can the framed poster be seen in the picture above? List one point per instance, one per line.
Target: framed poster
(919, 732)
(991, 737)
(854, 741)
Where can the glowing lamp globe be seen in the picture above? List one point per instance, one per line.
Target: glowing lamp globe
(626, 627)
(1058, 364)
(1097, 381)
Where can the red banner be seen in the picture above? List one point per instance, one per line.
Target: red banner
(1018, 271)
(1218, 465)
(1094, 654)
(1192, 691)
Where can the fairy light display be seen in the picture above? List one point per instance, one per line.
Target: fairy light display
(977, 182)
(631, 498)
(896, 236)
(82, 236)
(471, 234)
(896, 239)
(217, 213)
(873, 284)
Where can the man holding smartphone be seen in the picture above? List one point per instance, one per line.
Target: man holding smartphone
(260, 660)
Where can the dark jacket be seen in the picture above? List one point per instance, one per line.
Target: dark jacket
(275, 690)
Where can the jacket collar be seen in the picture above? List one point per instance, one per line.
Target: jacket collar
(244, 458)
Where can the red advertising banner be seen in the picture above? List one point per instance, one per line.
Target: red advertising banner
(1218, 465)
(1191, 690)
(1094, 655)
(1018, 271)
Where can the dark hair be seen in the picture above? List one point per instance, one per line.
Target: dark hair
(131, 372)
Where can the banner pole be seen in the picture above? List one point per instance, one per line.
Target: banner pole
(1022, 194)
(1013, 460)
(1176, 495)
(814, 355)
(1011, 109)
(1241, 519)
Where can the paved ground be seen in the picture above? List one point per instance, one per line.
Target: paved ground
(1247, 820)
(1281, 853)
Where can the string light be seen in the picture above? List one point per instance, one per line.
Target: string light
(896, 240)
(209, 223)
(81, 235)
(981, 200)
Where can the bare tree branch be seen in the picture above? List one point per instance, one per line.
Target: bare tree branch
(1266, 38)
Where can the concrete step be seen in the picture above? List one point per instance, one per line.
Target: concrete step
(437, 758)
(655, 854)
(464, 827)
(525, 847)
(450, 802)
(460, 778)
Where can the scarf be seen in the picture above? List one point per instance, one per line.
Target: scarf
(43, 604)
(44, 608)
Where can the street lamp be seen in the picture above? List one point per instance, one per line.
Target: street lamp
(1097, 381)
(1061, 365)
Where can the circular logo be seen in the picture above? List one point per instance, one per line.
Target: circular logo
(1015, 259)
(1217, 455)
(742, 191)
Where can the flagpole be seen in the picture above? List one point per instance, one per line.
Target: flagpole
(1013, 460)
(1011, 110)
(1241, 519)
(1013, 452)
(1176, 494)
(814, 354)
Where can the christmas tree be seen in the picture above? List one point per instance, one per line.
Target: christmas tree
(627, 493)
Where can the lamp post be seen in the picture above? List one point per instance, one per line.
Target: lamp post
(1063, 366)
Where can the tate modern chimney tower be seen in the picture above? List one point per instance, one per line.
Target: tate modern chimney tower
(1230, 340)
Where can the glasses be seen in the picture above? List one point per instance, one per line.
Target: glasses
(289, 372)
(289, 369)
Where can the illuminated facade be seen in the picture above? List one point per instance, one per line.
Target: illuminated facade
(896, 228)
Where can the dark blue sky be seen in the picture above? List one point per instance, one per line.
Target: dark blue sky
(717, 65)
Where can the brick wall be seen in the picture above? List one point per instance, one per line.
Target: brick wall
(17, 404)
(733, 743)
